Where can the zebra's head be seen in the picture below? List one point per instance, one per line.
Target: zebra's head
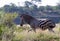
(21, 20)
(25, 19)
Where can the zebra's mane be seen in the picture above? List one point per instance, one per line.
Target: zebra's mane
(27, 18)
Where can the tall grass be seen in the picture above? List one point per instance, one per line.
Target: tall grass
(20, 34)
(36, 37)
(39, 36)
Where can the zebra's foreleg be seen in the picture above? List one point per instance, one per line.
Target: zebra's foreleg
(32, 29)
(29, 30)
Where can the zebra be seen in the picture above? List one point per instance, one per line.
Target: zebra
(34, 23)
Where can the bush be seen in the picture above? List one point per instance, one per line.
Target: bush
(7, 25)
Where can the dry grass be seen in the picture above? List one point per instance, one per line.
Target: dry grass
(22, 34)
(38, 36)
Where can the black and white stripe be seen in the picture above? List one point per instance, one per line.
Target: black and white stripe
(46, 24)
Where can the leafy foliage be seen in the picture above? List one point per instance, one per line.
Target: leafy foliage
(6, 23)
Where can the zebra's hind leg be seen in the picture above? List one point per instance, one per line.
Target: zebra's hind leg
(51, 30)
